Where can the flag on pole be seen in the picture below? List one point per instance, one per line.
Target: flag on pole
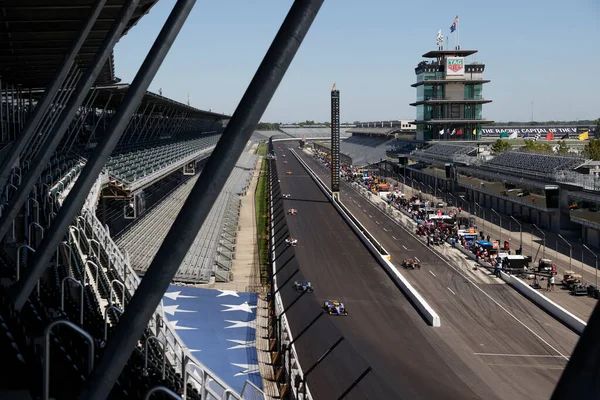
(504, 135)
(474, 132)
(585, 135)
(459, 132)
(441, 132)
(453, 26)
(440, 37)
(453, 131)
(513, 135)
(549, 136)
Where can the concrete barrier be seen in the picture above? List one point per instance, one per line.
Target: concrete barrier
(543, 302)
(417, 300)
(559, 312)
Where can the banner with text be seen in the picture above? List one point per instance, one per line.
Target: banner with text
(531, 131)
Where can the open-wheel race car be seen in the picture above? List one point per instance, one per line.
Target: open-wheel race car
(286, 195)
(285, 161)
(292, 211)
(335, 307)
(411, 263)
(291, 241)
(289, 172)
(303, 286)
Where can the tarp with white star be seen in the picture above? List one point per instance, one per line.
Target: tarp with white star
(219, 328)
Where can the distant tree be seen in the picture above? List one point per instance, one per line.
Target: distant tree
(562, 147)
(267, 126)
(501, 146)
(592, 148)
(598, 126)
(537, 146)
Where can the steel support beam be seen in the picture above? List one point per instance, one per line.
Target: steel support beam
(66, 116)
(97, 160)
(201, 199)
(49, 93)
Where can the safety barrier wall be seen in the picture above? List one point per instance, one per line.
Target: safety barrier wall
(557, 311)
(296, 373)
(418, 301)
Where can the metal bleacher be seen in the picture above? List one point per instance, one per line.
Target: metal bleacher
(445, 152)
(133, 164)
(312, 132)
(364, 149)
(211, 255)
(536, 165)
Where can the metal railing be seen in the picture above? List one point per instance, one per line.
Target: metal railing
(175, 349)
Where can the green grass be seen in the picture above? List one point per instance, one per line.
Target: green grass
(262, 229)
(261, 150)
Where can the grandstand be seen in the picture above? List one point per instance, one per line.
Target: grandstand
(211, 255)
(531, 164)
(77, 145)
(446, 152)
(387, 131)
(312, 132)
(131, 164)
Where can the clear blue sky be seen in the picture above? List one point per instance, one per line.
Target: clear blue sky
(545, 51)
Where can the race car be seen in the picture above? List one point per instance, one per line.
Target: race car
(291, 241)
(301, 286)
(411, 263)
(334, 307)
(289, 172)
(292, 211)
(286, 196)
(285, 161)
(283, 155)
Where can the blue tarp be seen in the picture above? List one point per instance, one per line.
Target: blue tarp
(219, 328)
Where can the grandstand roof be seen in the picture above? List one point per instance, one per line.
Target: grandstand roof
(442, 53)
(35, 36)
(152, 98)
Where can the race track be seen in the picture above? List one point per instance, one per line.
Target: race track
(492, 343)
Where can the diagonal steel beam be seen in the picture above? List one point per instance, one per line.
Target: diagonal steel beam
(49, 93)
(201, 199)
(54, 138)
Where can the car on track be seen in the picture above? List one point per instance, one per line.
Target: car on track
(301, 286)
(292, 211)
(286, 195)
(289, 172)
(285, 161)
(335, 307)
(291, 241)
(411, 263)
(283, 155)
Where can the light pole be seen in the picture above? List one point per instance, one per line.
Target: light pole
(570, 254)
(482, 215)
(520, 233)
(542, 232)
(596, 266)
(500, 218)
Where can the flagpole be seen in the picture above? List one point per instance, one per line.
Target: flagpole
(458, 34)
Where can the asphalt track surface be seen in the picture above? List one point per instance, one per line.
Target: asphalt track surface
(492, 344)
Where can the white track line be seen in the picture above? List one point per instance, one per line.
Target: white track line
(386, 230)
(394, 237)
(404, 247)
(451, 291)
(517, 355)
(431, 272)
(480, 289)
